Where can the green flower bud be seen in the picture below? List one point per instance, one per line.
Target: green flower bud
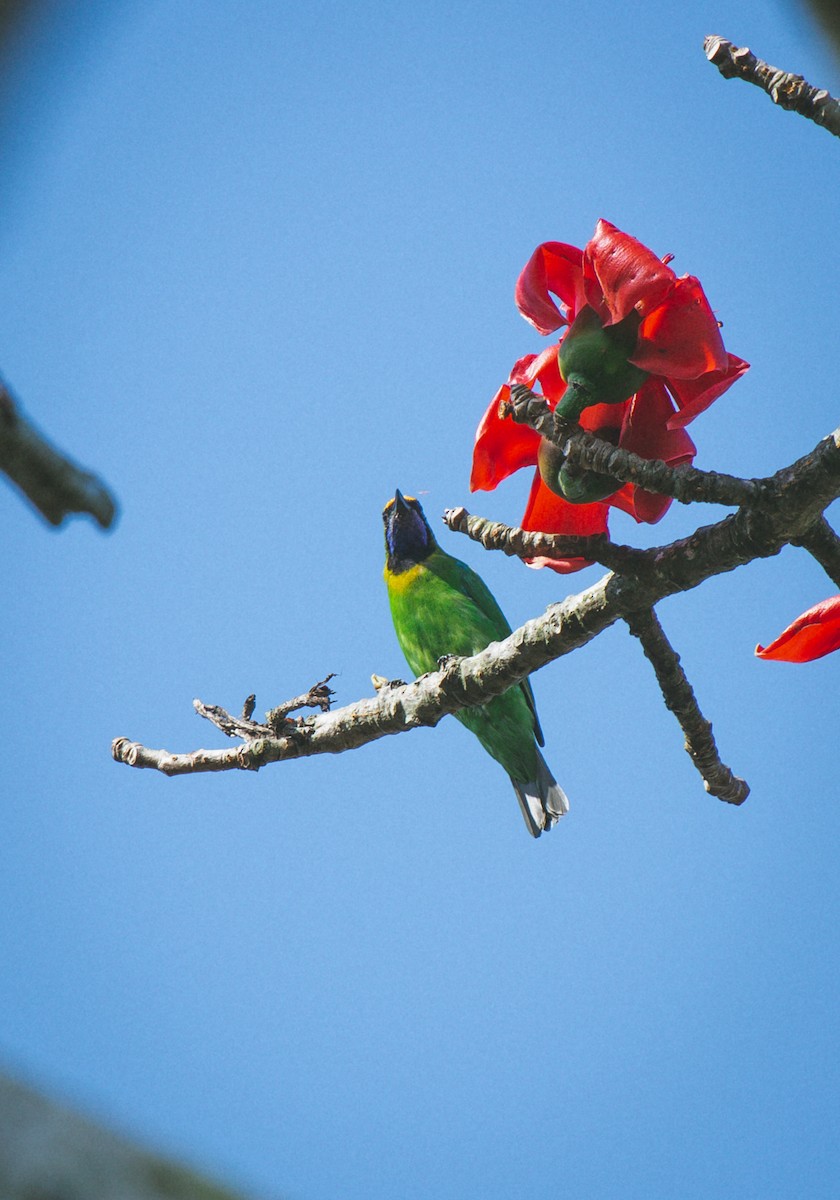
(593, 361)
(575, 484)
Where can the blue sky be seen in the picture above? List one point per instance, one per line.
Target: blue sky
(258, 264)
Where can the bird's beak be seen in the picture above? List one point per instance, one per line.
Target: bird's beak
(400, 505)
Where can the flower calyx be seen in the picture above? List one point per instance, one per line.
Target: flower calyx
(594, 361)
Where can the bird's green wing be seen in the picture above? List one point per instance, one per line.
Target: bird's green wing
(458, 575)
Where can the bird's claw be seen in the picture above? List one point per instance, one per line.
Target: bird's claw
(445, 659)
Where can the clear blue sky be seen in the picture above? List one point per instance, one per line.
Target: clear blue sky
(257, 266)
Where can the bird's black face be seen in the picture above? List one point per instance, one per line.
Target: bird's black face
(408, 538)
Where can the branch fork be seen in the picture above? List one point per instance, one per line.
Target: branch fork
(685, 483)
(278, 720)
(788, 509)
(784, 509)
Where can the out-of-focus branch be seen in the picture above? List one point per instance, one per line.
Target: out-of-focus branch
(49, 1151)
(792, 504)
(785, 89)
(54, 484)
(828, 14)
(12, 13)
(686, 484)
(679, 697)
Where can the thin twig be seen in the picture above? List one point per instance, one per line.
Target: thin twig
(53, 483)
(318, 696)
(784, 88)
(685, 483)
(525, 544)
(230, 725)
(824, 545)
(680, 699)
(276, 721)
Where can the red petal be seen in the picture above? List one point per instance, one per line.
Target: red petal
(547, 513)
(681, 339)
(522, 372)
(553, 267)
(647, 507)
(601, 418)
(623, 273)
(501, 447)
(815, 633)
(642, 506)
(544, 369)
(694, 396)
(641, 426)
(648, 429)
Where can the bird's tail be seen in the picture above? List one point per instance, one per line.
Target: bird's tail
(542, 800)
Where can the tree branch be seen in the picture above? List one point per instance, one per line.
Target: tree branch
(276, 720)
(792, 504)
(679, 697)
(54, 484)
(522, 543)
(686, 484)
(785, 89)
(318, 696)
(824, 545)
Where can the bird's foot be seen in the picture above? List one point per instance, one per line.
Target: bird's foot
(446, 659)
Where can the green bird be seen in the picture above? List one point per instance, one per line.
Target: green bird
(440, 606)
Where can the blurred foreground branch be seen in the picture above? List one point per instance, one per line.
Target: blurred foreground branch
(827, 13)
(50, 1152)
(54, 484)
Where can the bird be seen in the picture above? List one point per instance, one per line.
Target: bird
(441, 607)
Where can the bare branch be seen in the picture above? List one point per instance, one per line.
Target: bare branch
(276, 721)
(823, 543)
(230, 725)
(54, 484)
(686, 484)
(793, 502)
(680, 699)
(785, 89)
(318, 696)
(522, 543)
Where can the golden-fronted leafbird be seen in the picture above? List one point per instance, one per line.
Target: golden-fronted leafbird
(440, 607)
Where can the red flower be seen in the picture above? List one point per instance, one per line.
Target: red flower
(815, 633)
(678, 366)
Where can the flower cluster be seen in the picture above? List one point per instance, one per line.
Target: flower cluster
(641, 357)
